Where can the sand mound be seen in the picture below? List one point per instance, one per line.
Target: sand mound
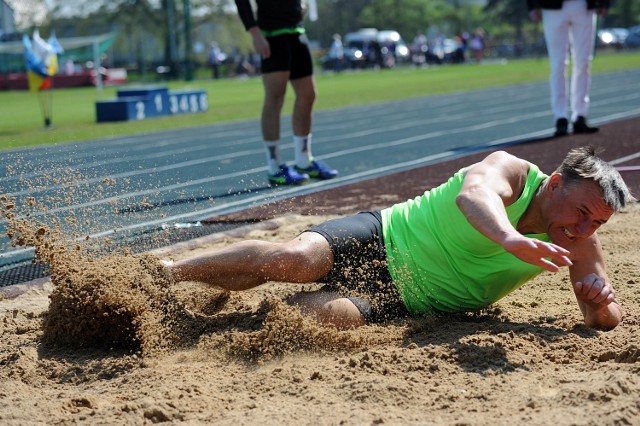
(120, 300)
(128, 301)
(250, 359)
(284, 331)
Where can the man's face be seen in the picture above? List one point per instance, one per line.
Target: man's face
(575, 211)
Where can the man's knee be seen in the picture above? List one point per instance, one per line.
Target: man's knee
(309, 257)
(305, 262)
(305, 90)
(308, 96)
(343, 313)
(274, 101)
(329, 308)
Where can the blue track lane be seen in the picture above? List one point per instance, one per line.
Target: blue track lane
(135, 184)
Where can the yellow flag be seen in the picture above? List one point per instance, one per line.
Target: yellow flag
(35, 81)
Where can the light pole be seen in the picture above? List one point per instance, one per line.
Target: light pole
(188, 63)
(173, 63)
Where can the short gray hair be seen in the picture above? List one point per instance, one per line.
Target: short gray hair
(583, 163)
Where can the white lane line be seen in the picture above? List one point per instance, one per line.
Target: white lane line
(403, 125)
(394, 117)
(365, 148)
(625, 158)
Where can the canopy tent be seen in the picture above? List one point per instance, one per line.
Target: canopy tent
(79, 49)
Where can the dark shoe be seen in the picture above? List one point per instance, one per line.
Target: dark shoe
(287, 176)
(318, 170)
(580, 126)
(562, 127)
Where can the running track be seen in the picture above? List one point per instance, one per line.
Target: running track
(136, 184)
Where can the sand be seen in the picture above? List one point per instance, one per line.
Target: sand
(112, 340)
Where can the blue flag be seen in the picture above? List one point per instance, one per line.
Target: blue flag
(34, 63)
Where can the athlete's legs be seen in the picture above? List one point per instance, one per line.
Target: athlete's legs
(556, 34)
(275, 88)
(305, 90)
(247, 264)
(582, 33)
(329, 308)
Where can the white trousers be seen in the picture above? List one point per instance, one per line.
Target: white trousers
(570, 29)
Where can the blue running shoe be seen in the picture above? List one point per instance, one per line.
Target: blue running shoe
(318, 170)
(287, 176)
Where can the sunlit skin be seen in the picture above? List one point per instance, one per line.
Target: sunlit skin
(575, 211)
(570, 213)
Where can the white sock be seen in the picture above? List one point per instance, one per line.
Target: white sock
(273, 156)
(303, 154)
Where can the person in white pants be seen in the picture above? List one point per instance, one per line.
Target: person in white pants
(569, 26)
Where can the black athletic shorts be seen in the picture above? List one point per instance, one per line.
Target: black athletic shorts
(360, 269)
(289, 52)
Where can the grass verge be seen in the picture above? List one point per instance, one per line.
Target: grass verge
(21, 122)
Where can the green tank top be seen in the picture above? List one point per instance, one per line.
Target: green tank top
(439, 262)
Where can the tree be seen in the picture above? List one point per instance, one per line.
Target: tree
(136, 18)
(623, 13)
(408, 17)
(29, 13)
(515, 13)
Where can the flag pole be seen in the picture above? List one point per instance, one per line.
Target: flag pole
(42, 65)
(48, 116)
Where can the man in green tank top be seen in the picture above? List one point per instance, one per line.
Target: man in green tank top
(461, 246)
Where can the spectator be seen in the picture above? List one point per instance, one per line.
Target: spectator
(336, 53)
(215, 59)
(569, 26)
(279, 37)
(419, 49)
(477, 44)
(69, 67)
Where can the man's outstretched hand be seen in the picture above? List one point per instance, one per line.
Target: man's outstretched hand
(545, 255)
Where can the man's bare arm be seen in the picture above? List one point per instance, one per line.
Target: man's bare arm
(489, 186)
(592, 288)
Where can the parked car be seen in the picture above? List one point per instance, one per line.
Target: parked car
(353, 58)
(396, 45)
(445, 51)
(633, 38)
(612, 37)
(369, 47)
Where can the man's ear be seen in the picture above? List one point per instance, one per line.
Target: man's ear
(555, 182)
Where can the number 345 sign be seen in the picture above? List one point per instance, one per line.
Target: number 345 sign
(142, 103)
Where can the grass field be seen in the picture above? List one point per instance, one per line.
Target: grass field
(21, 123)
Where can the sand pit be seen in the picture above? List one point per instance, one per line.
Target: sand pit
(116, 342)
(197, 355)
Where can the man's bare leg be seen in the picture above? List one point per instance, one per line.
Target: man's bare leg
(305, 90)
(329, 308)
(275, 88)
(247, 264)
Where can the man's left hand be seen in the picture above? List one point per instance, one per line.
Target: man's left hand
(594, 289)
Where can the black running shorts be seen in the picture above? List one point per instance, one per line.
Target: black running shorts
(289, 52)
(360, 270)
